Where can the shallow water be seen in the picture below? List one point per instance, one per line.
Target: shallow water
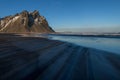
(106, 44)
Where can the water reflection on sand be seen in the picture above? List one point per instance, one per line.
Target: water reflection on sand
(107, 44)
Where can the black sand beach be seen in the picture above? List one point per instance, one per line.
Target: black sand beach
(37, 58)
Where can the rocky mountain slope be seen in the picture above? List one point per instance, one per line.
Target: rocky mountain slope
(25, 22)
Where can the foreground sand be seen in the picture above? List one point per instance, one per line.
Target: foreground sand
(33, 58)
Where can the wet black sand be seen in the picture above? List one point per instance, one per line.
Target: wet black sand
(35, 58)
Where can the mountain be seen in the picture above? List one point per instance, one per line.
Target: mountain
(25, 22)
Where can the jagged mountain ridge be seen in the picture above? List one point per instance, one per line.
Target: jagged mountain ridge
(25, 22)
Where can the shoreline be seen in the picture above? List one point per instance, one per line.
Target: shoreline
(80, 35)
(59, 34)
(44, 59)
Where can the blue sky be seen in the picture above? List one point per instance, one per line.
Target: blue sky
(71, 15)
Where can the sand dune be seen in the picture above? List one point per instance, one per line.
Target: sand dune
(33, 58)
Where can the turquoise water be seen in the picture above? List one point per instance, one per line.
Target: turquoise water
(106, 44)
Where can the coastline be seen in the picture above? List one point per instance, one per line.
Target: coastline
(86, 35)
(38, 58)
